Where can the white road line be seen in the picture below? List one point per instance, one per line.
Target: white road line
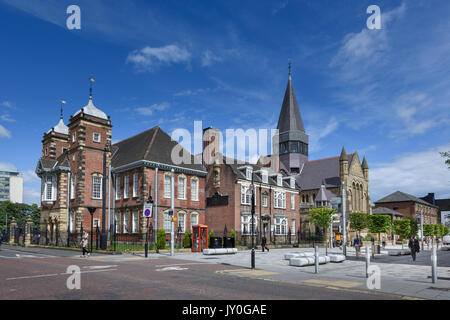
(180, 264)
(57, 274)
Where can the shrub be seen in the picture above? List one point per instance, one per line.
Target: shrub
(232, 234)
(161, 239)
(211, 234)
(187, 241)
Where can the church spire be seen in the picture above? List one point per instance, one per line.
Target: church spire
(290, 119)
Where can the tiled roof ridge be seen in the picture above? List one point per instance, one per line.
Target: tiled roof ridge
(136, 135)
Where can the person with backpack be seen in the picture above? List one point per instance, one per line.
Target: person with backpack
(414, 246)
(356, 244)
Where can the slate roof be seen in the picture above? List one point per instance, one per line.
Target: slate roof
(152, 145)
(399, 196)
(443, 204)
(315, 172)
(383, 210)
(290, 119)
(52, 165)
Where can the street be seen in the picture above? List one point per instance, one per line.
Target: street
(41, 274)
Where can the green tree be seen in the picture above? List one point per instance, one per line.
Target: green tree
(414, 227)
(161, 239)
(187, 241)
(428, 230)
(358, 221)
(446, 230)
(322, 217)
(446, 155)
(379, 224)
(402, 228)
(19, 212)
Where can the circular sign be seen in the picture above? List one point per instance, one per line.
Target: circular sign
(252, 187)
(147, 213)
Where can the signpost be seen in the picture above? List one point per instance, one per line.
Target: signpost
(148, 213)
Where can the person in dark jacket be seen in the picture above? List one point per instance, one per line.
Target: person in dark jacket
(264, 244)
(414, 246)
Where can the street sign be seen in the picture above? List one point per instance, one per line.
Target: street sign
(170, 212)
(148, 210)
(252, 187)
(174, 219)
(336, 200)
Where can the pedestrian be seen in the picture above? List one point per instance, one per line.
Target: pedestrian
(84, 242)
(264, 243)
(356, 244)
(413, 246)
(373, 241)
(1, 238)
(383, 241)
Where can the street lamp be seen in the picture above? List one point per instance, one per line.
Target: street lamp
(150, 207)
(104, 236)
(92, 211)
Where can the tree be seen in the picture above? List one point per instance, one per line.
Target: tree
(446, 155)
(358, 221)
(446, 230)
(402, 228)
(379, 224)
(161, 239)
(322, 217)
(428, 230)
(19, 212)
(414, 227)
(187, 241)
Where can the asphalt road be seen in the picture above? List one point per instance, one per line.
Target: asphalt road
(42, 274)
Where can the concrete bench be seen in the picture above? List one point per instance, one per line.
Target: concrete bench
(336, 258)
(219, 251)
(308, 261)
(399, 252)
(289, 256)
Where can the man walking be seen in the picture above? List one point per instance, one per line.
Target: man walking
(264, 244)
(414, 246)
(356, 244)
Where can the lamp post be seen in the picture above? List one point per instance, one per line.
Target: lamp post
(344, 225)
(104, 236)
(150, 200)
(252, 186)
(421, 225)
(92, 211)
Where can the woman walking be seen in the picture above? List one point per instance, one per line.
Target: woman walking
(84, 242)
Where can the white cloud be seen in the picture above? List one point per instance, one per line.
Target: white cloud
(415, 173)
(6, 118)
(208, 58)
(7, 104)
(4, 133)
(149, 59)
(31, 196)
(30, 176)
(5, 166)
(148, 111)
(318, 132)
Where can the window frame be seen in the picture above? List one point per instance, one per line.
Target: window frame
(100, 188)
(183, 189)
(99, 137)
(194, 192)
(126, 186)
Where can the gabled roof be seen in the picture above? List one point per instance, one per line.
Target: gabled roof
(315, 172)
(383, 210)
(152, 145)
(53, 165)
(399, 196)
(290, 119)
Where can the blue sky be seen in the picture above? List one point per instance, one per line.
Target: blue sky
(382, 92)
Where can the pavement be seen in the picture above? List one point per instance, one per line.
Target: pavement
(399, 274)
(38, 273)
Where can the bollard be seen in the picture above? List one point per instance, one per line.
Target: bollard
(316, 254)
(434, 265)
(367, 261)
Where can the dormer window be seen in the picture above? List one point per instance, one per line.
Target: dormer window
(292, 182)
(248, 173)
(265, 177)
(279, 180)
(97, 137)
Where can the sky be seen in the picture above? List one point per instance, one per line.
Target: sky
(382, 92)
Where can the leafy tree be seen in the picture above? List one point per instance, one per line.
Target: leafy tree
(446, 230)
(322, 217)
(379, 224)
(161, 239)
(446, 155)
(187, 241)
(428, 230)
(19, 212)
(402, 228)
(358, 221)
(414, 227)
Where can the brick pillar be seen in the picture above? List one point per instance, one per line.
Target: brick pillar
(12, 231)
(27, 240)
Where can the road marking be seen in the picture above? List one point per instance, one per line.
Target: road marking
(180, 264)
(245, 272)
(56, 274)
(172, 269)
(339, 283)
(99, 267)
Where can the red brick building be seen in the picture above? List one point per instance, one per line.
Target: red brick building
(410, 206)
(71, 170)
